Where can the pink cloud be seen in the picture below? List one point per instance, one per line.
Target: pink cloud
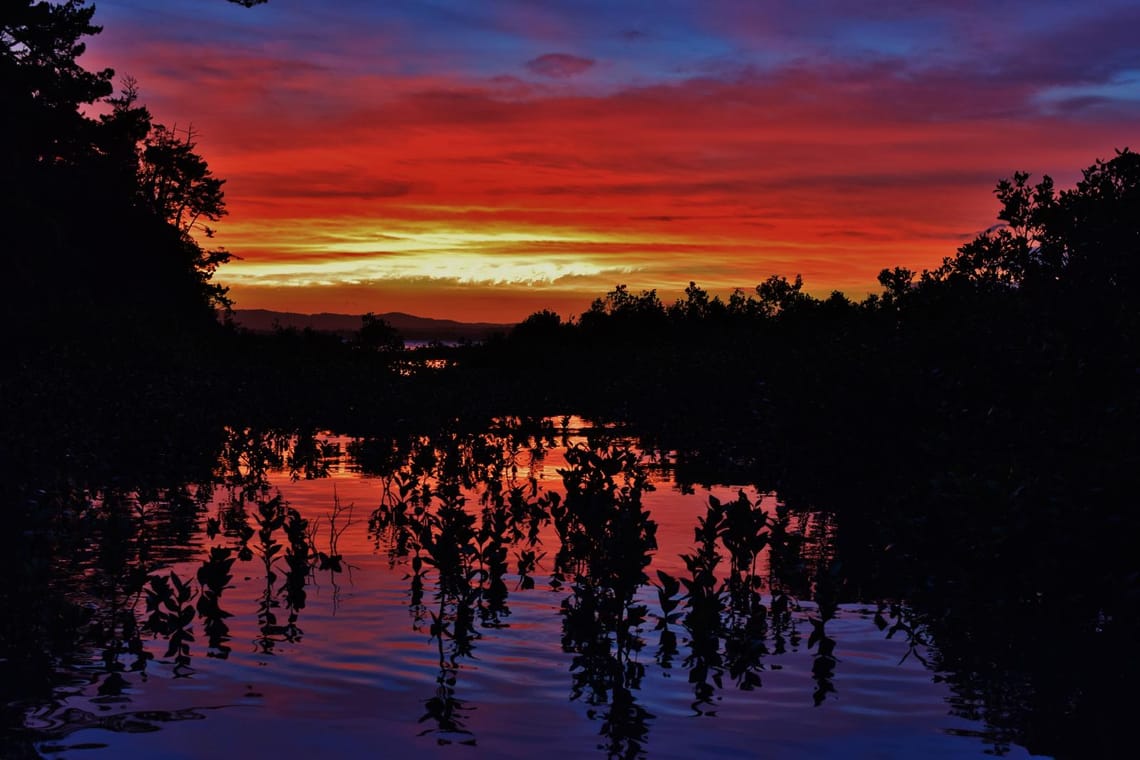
(559, 65)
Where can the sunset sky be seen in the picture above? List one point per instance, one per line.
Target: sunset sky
(481, 160)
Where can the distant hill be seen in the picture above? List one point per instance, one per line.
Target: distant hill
(409, 326)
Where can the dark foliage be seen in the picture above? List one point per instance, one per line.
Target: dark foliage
(970, 431)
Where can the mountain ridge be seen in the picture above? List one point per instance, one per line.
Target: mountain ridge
(409, 326)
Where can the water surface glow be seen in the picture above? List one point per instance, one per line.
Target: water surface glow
(349, 660)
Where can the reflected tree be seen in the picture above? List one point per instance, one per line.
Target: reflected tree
(607, 540)
(459, 553)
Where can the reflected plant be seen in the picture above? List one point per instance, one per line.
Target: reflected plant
(233, 522)
(667, 594)
(816, 563)
(912, 627)
(332, 560)
(605, 534)
(512, 515)
(460, 554)
(785, 565)
(403, 502)
(299, 558)
(248, 457)
(308, 456)
(170, 616)
(272, 516)
(214, 577)
(465, 552)
(827, 601)
(102, 549)
(114, 529)
(125, 640)
(446, 543)
(446, 712)
(729, 628)
(305, 554)
(704, 605)
(606, 544)
(444, 709)
(528, 560)
(744, 535)
(491, 556)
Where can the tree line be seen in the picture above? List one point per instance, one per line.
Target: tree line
(1026, 334)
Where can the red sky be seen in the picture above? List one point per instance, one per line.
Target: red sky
(483, 161)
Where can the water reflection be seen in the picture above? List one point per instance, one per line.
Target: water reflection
(606, 540)
(119, 585)
(459, 552)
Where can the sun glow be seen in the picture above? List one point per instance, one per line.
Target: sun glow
(357, 252)
(463, 268)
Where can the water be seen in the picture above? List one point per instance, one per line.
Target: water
(340, 658)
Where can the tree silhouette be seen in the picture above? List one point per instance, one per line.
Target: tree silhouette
(377, 334)
(100, 212)
(1086, 237)
(176, 182)
(777, 295)
(44, 85)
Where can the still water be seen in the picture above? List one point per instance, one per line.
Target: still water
(501, 595)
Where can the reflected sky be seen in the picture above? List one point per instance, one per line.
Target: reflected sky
(361, 664)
